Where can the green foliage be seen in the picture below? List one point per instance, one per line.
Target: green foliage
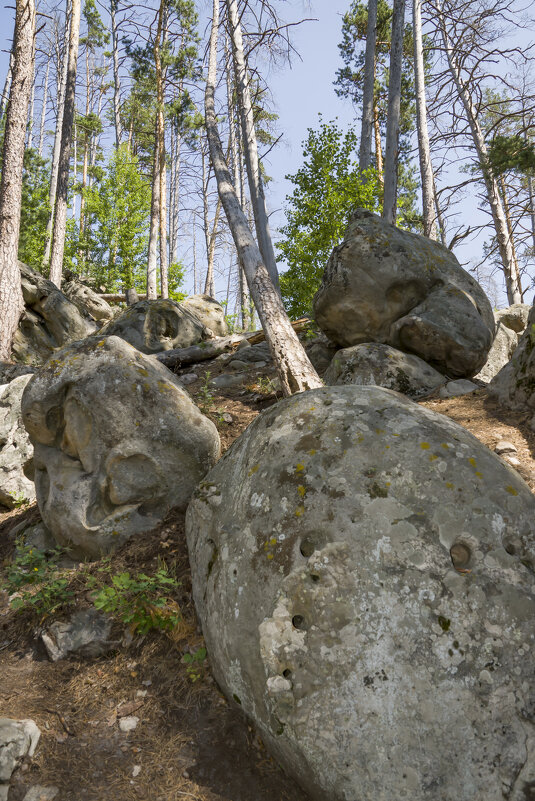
(511, 153)
(35, 209)
(205, 395)
(327, 187)
(37, 581)
(195, 664)
(140, 601)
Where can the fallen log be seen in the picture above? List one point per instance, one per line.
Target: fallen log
(258, 336)
(179, 357)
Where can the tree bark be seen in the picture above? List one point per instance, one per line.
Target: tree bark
(365, 150)
(11, 302)
(43, 109)
(116, 80)
(378, 146)
(514, 294)
(250, 147)
(295, 371)
(393, 118)
(424, 152)
(60, 216)
(30, 118)
(162, 170)
(155, 207)
(7, 85)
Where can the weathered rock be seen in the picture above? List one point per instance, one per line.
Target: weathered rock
(86, 634)
(18, 739)
(515, 317)
(390, 286)
(321, 353)
(501, 351)
(117, 442)
(153, 326)
(9, 371)
(16, 451)
(455, 389)
(48, 321)
(503, 446)
(363, 569)
(88, 301)
(380, 365)
(226, 380)
(514, 385)
(209, 312)
(40, 793)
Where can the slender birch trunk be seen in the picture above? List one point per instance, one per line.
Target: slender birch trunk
(155, 206)
(250, 146)
(365, 151)
(30, 118)
(60, 216)
(162, 168)
(209, 286)
(514, 293)
(424, 152)
(295, 371)
(393, 118)
(116, 79)
(62, 82)
(43, 109)
(75, 165)
(11, 301)
(378, 146)
(174, 196)
(7, 86)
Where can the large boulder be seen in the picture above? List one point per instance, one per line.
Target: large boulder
(117, 443)
(153, 326)
(379, 365)
(502, 349)
(514, 317)
(364, 572)
(49, 320)
(209, 311)
(18, 739)
(514, 385)
(16, 452)
(87, 300)
(391, 286)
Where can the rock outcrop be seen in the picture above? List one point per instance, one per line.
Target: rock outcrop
(514, 317)
(87, 300)
(18, 739)
(372, 364)
(153, 326)
(16, 452)
(514, 385)
(117, 443)
(501, 351)
(209, 312)
(363, 569)
(390, 286)
(49, 320)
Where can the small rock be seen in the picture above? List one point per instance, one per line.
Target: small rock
(141, 693)
(129, 723)
(237, 364)
(87, 633)
(18, 738)
(505, 447)
(243, 344)
(188, 378)
(455, 389)
(513, 461)
(38, 793)
(225, 380)
(136, 771)
(227, 417)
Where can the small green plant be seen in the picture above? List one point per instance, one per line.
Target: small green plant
(37, 582)
(19, 499)
(205, 395)
(195, 664)
(265, 385)
(140, 601)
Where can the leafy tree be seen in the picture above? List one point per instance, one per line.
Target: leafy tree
(327, 187)
(35, 209)
(511, 153)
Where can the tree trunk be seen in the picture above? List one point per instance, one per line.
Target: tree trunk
(116, 81)
(162, 170)
(503, 192)
(60, 216)
(393, 117)
(7, 86)
(11, 302)
(514, 294)
(365, 151)
(174, 199)
(295, 371)
(62, 82)
(155, 207)
(30, 118)
(250, 147)
(43, 109)
(378, 147)
(75, 166)
(424, 152)
(209, 286)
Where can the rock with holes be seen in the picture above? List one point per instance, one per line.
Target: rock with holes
(49, 320)
(514, 385)
(514, 317)
(209, 312)
(87, 300)
(363, 569)
(153, 326)
(117, 443)
(16, 452)
(503, 347)
(374, 364)
(391, 286)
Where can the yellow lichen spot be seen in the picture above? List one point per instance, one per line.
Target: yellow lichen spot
(433, 457)
(299, 468)
(425, 446)
(379, 431)
(270, 556)
(273, 541)
(445, 445)
(388, 484)
(472, 461)
(396, 435)
(449, 485)
(511, 490)
(478, 474)
(300, 511)
(142, 371)
(101, 345)
(253, 470)
(302, 490)
(312, 452)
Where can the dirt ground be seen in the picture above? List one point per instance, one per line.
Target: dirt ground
(189, 742)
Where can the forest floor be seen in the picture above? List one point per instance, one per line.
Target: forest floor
(189, 743)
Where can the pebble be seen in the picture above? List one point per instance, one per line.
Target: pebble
(505, 447)
(129, 723)
(136, 771)
(188, 378)
(38, 793)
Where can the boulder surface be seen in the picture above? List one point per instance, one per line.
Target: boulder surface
(514, 385)
(502, 349)
(363, 569)
(209, 312)
(153, 326)
(514, 317)
(391, 286)
(379, 365)
(117, 443)
(16, 451)
(87, 300)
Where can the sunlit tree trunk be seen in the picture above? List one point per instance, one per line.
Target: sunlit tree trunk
(393, 117)
(424, 152)
(30, 118)
(365, 151)
(294, 369)
(43, 109)
(11, 302)
(116, 80)
(155, 208)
